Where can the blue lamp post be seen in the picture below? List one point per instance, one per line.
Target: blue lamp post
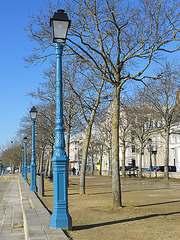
(12, 167)
(33, 187)
(22, 165)
(25, 160)
(150, 143)
(60, 217)
(88, 164)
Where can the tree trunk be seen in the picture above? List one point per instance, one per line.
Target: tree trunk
(124, 158)
(101, 156)
(87, 140)
(92, 165)
(116, 188)
(68, 128)
(48, 162)
(110, 160)
(84, 155)
(166, 160)
(20, 168)
(46, 167)
(41, 160)
(49, 173)
(50, 170)
(140, 161)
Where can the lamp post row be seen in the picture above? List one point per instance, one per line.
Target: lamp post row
(60, 217)
(33, 187)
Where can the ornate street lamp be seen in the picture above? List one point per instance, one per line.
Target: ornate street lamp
(12, 167)
(60, 217)
(33, 187)
(25, 161)
(150, 143)
(22, 167)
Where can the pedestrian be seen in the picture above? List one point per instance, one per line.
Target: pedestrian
(74, 170)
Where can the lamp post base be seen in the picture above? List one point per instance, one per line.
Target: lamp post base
(61, 221)
(60, 217)
(25, 173)
(33, 186)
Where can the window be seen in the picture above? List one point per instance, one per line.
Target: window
(173, 139)
(154, 143)
(133, 149)
(158, 141)
(160, 163)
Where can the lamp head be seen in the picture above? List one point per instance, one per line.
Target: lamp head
(33, 113)
(60, 24)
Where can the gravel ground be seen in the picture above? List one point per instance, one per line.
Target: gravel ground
(151, 209)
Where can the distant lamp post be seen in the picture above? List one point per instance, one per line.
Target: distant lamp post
(88, 163)
(12, 167)
(0, 167)
(22, 165)
(33, 187)
(150, 151)
(25, 160)
(60, 217)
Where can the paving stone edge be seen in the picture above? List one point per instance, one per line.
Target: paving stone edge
(36, 217)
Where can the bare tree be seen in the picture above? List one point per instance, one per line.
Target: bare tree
(161, 91)
(140, 115)
(113, 35)
(88, 109)
(6, 155)
(117, 40)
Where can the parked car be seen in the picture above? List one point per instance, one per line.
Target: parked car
(148, 169)
(6, 171)
(127, 168)
(161, 169)
(133, 168)
(172, 168)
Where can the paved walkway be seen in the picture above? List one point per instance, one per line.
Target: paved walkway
(11, 218)
(22, 215)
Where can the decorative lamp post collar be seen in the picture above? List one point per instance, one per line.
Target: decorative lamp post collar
(60, 24)
(33, 113)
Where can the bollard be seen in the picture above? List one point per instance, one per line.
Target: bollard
(41, 184)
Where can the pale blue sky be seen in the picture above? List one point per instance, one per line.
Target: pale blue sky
(15, 79)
